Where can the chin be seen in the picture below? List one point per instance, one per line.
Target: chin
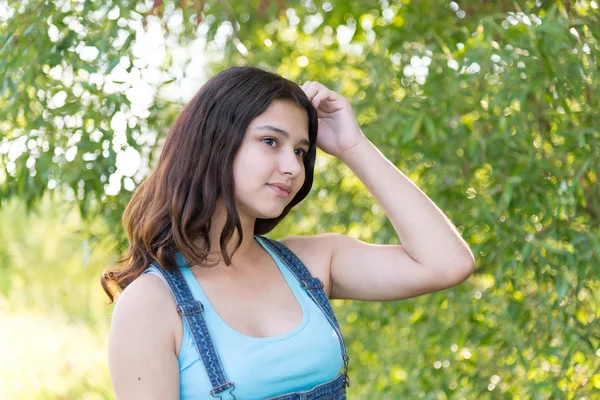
(263, 208)
(269, 215)
(271, 212)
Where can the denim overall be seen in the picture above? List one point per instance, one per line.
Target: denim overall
(191, 310)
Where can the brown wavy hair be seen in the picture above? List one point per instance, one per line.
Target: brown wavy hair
(173, 207)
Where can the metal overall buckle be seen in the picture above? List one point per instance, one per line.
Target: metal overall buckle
(215, 392)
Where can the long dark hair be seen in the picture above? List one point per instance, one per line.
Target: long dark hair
(173, 207)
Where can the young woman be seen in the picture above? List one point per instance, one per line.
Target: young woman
(213, 309)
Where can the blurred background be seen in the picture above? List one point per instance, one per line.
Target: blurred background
(491, 107)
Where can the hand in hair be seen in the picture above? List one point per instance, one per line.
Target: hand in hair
(338, 128)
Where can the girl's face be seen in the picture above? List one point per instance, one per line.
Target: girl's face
(268, 168)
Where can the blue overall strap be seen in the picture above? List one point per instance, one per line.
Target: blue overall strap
(314, 288)
(191, 310)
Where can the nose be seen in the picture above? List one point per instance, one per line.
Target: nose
(290, 163)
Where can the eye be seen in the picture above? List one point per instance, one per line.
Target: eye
(301, 152)
(270, 142)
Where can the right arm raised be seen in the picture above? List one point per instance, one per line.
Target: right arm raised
(141, 346)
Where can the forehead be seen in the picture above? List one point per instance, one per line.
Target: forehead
(284, 115)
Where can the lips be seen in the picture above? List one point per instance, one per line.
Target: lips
(281, 189)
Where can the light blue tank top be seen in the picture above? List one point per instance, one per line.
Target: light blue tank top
(296, 361)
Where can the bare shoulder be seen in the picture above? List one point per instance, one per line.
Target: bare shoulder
(146, 305)
(142, 341)
(315, 251)
(147, 296)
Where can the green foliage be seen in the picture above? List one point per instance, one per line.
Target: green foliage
(490, 107)
(48, 255)
(53, 311)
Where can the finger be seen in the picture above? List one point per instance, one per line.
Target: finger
(322, 94)
(305, 85)
(311, 89)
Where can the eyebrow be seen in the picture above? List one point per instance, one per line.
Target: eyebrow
(282, 133)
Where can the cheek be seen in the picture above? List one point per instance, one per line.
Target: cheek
(249, 159)
(248, 172)
(299, 180)
(239, 180)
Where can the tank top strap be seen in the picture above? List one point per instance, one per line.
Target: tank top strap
(192, 311)
(313, 287)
